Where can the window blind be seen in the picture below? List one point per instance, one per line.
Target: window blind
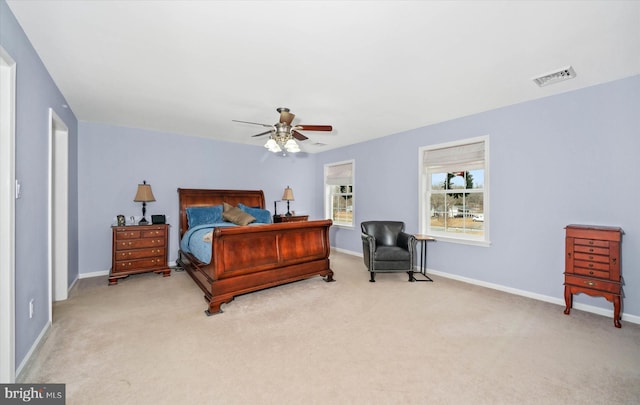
(340, 175)
(454, 158)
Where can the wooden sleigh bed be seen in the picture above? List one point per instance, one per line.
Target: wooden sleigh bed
(251, 258)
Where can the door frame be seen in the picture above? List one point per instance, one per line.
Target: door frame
(58, 210)
(7, 217)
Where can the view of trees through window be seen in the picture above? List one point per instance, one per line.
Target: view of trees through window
(342, 204)
(457, 202)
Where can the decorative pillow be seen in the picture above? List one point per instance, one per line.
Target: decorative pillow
(261, 216)
(236, 215)
(204, 215)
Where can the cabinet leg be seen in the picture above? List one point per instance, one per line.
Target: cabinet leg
(568, 300)
(616, 312)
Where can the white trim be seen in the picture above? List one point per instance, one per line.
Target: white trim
(93, 274)
(102, 273)
(423, 187)
(528, 294)
(7, 217)
(34, 347)
(328, 196)
(536, 296)
(58, 208)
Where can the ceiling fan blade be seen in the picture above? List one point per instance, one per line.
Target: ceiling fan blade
(314, 127)
(254, 123)
(262, 133)
(286, 117)
(298, 135)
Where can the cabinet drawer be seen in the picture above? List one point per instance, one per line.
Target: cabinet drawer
(153, 233)
(139, 253)
(127, 234)
(139, 243)
(592, 272)
(591, 258)
(128, 265)
(592, 283)
(591, 265)
(592, 242)
(591, 249)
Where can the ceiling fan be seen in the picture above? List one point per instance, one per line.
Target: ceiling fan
(283, 133)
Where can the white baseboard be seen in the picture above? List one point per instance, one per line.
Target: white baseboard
(94, 274)
(540, 297)
(33, 348)
(106, 272)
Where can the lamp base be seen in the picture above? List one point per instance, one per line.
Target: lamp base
(143, 221)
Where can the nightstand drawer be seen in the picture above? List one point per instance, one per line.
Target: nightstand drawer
(139, 243)
(127, 234)
(139, 253)
(128, 265)
(153, 233)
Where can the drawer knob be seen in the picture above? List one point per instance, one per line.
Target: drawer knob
(591, 242)
(590, 283)
(590, 264)
(613, 260)
(591, 250)
(590, 257)
(590, 272)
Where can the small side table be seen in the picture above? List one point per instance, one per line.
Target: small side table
(423, 240)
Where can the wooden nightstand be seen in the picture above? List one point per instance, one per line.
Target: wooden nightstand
(139, 249)
(292, 218)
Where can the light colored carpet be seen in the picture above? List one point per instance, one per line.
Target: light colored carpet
(147, 341)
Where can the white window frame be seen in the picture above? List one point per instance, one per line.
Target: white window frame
(328, 195)
(424, 195)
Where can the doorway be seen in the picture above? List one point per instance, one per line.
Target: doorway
(58, 210)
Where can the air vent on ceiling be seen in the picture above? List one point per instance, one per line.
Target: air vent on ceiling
(319, 144)
(554, 77)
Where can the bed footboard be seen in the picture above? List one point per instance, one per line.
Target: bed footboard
(246, 259)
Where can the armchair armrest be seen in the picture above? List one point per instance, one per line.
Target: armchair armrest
(406, 241)
(368, 249)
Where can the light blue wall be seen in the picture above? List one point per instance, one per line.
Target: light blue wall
(571, 158)
(35, 94)
(565, 159)
(113, 160)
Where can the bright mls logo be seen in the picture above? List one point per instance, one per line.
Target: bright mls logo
(37, 394)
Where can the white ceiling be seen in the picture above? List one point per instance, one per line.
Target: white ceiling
(369, 68)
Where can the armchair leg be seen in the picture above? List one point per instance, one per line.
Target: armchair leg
(411, 278)
(373, 277)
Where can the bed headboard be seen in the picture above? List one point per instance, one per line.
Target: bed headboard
(192, 197)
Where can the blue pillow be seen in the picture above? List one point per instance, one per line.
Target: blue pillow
(261, 216)
(204, 215)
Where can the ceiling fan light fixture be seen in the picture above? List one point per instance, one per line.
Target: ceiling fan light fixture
(291, 146)
(272, 145)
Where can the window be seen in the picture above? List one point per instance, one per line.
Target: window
(454, 190)
(339, 196)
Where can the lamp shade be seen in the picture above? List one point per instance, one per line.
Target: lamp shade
(144, 193)
(288, 194)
